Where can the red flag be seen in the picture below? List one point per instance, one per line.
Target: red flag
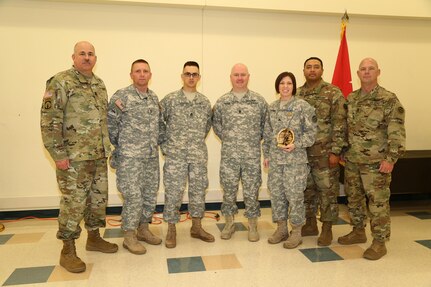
(342, 77)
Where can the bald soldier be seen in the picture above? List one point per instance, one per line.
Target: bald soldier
(239, 120)
(74, 132)
(376, 137)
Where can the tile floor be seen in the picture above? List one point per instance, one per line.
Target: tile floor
(29, 256)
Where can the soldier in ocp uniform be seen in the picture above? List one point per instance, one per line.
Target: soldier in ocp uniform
(74, 131)
(376, 137)
(323, 182)
(239, 119)
(288, 168)
(135, 127)
(187, 115)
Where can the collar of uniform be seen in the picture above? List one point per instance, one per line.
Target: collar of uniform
(83, 79)
(246, 95)
(141, 95)
(316, 90)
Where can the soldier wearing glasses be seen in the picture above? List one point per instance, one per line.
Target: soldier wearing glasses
(187, 115)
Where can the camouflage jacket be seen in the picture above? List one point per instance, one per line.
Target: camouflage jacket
(187, 126)
(375, 124)
(331, 113)
(298, 116)
(134, 123)
(74, 117)
(239, 124)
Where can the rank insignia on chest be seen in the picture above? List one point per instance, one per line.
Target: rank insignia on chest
(285, 137)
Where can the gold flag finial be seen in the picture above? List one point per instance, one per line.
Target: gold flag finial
(344, 21)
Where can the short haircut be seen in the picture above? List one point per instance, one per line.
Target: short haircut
(138, 61)
(314, 58)
(281, 77)
(191, 63)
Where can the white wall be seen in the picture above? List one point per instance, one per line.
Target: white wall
(37, 39)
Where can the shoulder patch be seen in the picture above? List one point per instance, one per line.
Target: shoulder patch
(314, 119)
(401, 110)
(119, 104)
(47, 95)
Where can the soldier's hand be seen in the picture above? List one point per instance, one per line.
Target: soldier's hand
(289, 147)
(333, 160)
(62, 164)
(386, 167)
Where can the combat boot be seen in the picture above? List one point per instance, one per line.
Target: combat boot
(171, 236)
(325, 237)
(295, 238)
(144, 234)
(253, 235)
(132, 244)
(357, 235)
(280, 234)
(310, 227)
(97, 243)
(229, 227)
(68, 258)
(198, 232)
(376, 251)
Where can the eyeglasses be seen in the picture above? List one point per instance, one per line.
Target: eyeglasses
(191, 75)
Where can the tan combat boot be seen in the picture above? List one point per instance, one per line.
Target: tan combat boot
(376, 251)
(132, 244)
(280, 234)
(68, 258)
(295, 238)
(171, 236)
(325, 237)
(310, 227)
(253, 235)
(357, 235)
(97, 243)
(144, 234)
(229, 227)
(198, 232)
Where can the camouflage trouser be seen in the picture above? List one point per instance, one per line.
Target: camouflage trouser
(322, 190)
(84, 195)
(286, 184)
(138, 182)
(176, 174)
(248, 170)
(362, 182)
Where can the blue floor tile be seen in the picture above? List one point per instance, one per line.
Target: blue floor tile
(29, 275)
(113, 233)
(4, 238)
(320, 254)
(420, 214)
(238, 226)
(341, 222)
(186, 264)
(426, 243)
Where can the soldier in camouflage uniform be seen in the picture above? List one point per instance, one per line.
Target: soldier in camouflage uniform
(323, 182)
(239, 119)
(288, 169)
(376, 137)
(187, 114)
(134, 124)
(74, 131)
